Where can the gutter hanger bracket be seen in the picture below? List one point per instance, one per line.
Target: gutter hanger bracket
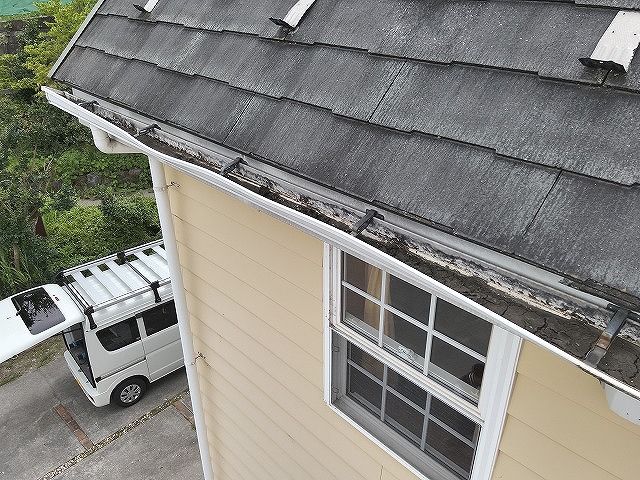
(606, 337)
(364, 222)
(231, 166)
(88, 105)
(148, 129)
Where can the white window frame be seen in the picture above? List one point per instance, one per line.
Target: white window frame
(499, 373)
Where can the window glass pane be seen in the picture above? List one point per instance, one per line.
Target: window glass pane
(119, 335)
(362, 275)
(37, 310)
(404, 339)
(365, 390)
(366, 361)
(360, 313)
(453, 419)
(404, 418)
(451, 450)
(455, 368)
(406, 388)
(409, 299)
(160, 317)
(463, 327)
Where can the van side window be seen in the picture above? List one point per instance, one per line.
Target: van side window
(119, 335)
(158, 318)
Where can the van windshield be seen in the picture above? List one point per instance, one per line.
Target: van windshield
(37, 310)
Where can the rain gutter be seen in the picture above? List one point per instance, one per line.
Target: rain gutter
(324, 232)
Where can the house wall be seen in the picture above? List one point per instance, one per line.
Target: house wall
(254, 291)
(559, 426)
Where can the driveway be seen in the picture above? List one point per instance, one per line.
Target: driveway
(48, 429)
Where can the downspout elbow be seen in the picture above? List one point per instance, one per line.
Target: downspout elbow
(107, 144)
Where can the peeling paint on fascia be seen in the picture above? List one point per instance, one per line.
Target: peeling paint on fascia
(525, 292)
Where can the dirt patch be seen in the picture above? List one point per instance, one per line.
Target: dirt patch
(31, 359)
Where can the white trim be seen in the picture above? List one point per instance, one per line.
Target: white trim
(327, 314)
(500, 373)
(320, 230)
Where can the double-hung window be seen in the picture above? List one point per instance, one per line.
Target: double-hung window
(417, 367)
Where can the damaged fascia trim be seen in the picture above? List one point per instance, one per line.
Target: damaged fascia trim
(532, 285)
(320, 230)
(352, 209)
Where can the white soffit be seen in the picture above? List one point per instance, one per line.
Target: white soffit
(294, 15)
(617, 45)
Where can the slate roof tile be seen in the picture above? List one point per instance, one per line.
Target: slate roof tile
(475, 116)
(583, 228)
(553, 123)
(468, 189)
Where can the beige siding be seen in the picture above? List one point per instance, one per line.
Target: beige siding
(254, 291)
(559, 426)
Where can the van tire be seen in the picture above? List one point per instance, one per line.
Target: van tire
(129, 391)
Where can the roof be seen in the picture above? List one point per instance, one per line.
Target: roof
(474, 117)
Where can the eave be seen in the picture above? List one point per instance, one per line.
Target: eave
(329, 216)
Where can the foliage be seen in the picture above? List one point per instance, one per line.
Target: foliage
(27, 70)
(76, 235)
(23, 186)
(13, 68)
(91, 231)
(129, 219)
(33, 127)
(78, 162)
(43, 153)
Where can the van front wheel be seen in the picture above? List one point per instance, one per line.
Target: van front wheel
(129, 392)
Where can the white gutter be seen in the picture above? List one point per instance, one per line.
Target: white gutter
(326, 233)
(171, 250)
(106, 144)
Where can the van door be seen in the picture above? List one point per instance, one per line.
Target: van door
(162, 342)
(119, 347)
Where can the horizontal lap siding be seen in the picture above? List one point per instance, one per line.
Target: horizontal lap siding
(559, 426)
(254, 292)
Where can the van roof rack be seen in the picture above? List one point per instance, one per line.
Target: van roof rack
(113, 279)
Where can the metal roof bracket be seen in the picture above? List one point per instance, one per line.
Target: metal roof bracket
(294, 15)
(231, 166)
(147, 7)
(148, 129)
(89, 313)
(606, 337)
(364, 222)
(617, 45)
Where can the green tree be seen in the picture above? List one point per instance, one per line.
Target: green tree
(23, 256)
(27, 69)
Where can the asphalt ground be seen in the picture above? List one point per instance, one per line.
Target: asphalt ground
(49, 430)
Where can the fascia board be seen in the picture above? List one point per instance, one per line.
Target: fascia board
(324, 232)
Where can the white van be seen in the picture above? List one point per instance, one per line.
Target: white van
(117, 319)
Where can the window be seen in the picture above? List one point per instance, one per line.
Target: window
(416, 370)
(119, 335)
(37, 310)
(160, 317)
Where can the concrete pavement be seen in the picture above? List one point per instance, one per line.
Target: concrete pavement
(48, 429)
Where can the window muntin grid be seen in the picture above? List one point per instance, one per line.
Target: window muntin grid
(414, 326)
(419, 417)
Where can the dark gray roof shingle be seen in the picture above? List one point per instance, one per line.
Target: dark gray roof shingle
(474, 116)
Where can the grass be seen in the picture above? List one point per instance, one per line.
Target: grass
(31, 359)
